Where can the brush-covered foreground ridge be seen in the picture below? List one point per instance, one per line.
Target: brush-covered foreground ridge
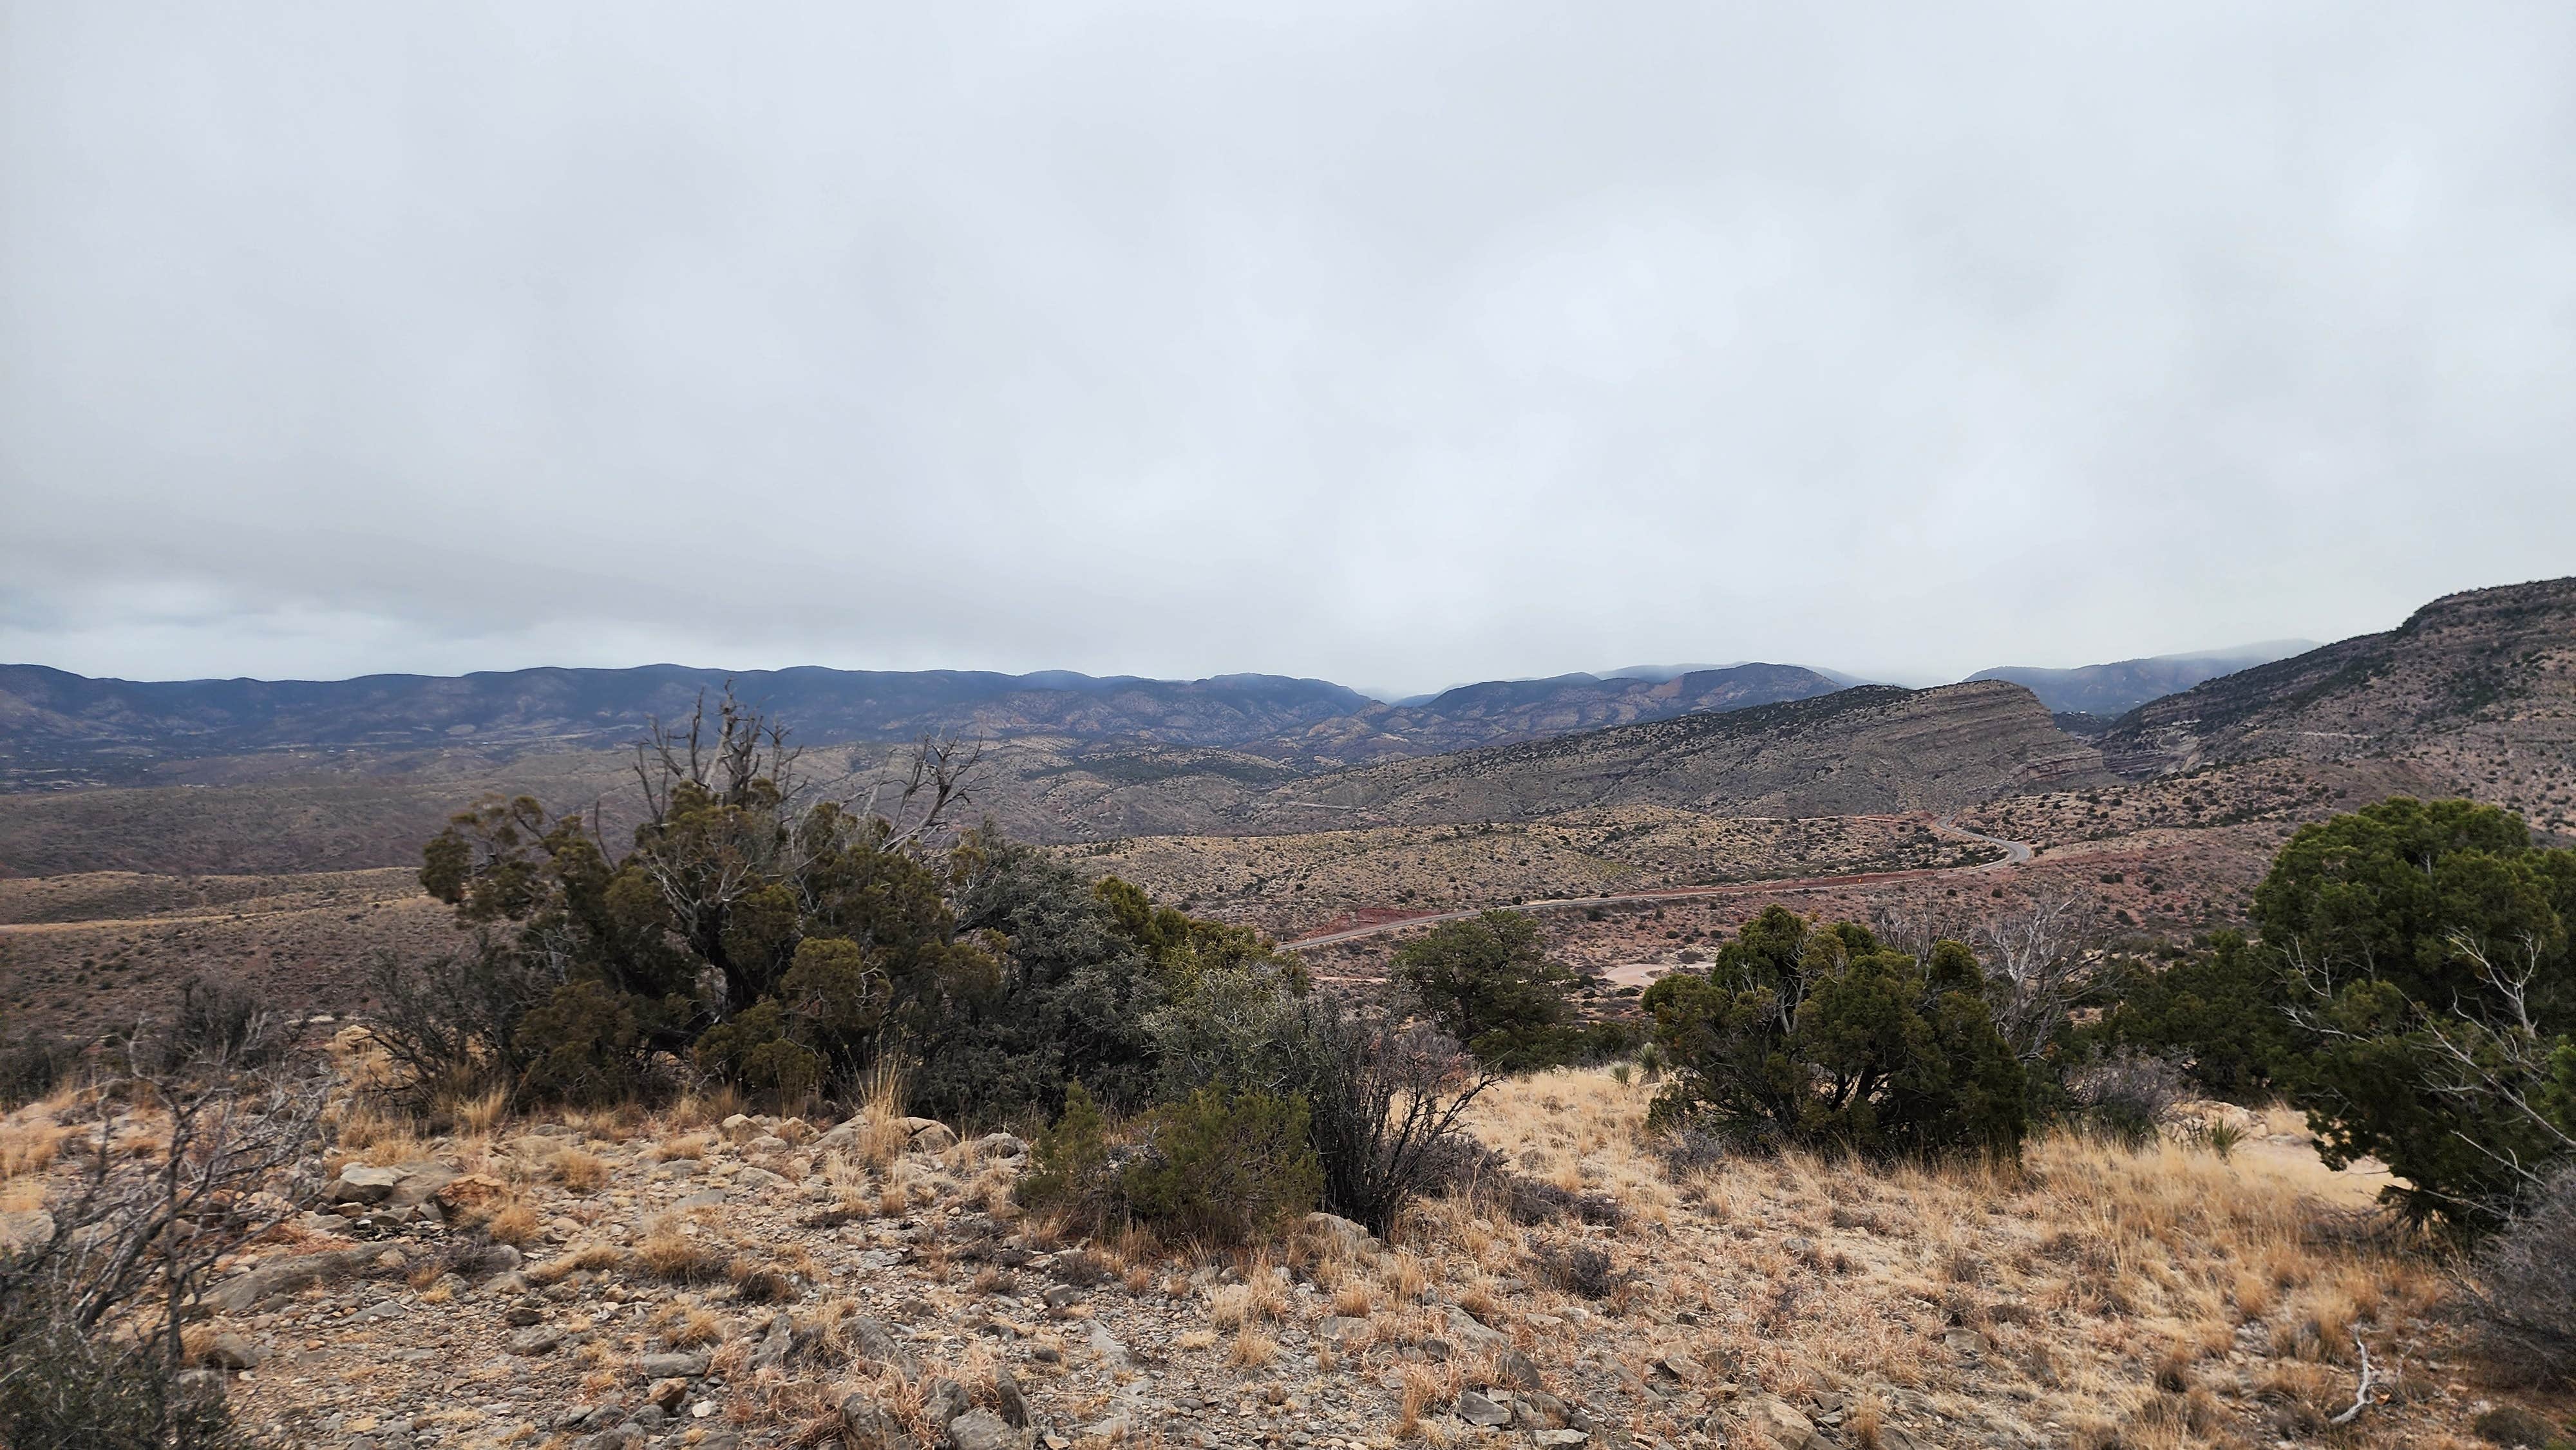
(697, 1277)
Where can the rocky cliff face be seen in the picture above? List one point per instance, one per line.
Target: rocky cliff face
(1867, 750)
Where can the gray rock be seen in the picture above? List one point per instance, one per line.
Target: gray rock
(1106, 1345)
(1475, 1409)
(931, 1137)
(1015, 1405)
(1351, 1235)
(1539, 1410)
(757, 1179)
(841, 1139)
(359, 1183)
(1679, 1368)
(241, 1291)
(865, 1425)
(704, 1198)
(1518, 1370)
(25, 1230)
(1560, 1437)
(1466, 1329)
(981, 1430)
(942, 1400)
(1113, 1429)
(774, 1346)
(378, 1313)
(1002, 1145)
(233, 1351)
(670, 1366)
(1776, 1418)
(535, 1339)
(877, 1343)
(418, 1184)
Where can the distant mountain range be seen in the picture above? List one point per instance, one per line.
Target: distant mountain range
(61, 728)
(2112, 690)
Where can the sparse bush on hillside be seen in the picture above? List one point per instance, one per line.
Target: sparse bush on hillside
(785, 944)
(1822, 1035)
(1220, 1167)
(32, 1064)
(1488, 982)
(1387, 1100)
(1224, 1167)
(2215, 1012)
(91, 1314)
(2420, 953)
(2125, 1095)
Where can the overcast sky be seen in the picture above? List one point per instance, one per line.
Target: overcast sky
(1399, 344)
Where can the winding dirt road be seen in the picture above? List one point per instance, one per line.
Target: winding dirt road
(2015, 853)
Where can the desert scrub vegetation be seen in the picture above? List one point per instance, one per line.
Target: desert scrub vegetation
(121, 1194)
(2411, 987)
(1812, 1035)
(787, 945)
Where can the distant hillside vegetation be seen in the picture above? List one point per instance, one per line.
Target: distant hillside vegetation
(2115, 689)
(1873, 749)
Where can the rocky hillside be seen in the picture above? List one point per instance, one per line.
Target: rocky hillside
(616, 1280)
(1874, 749)
(2482, 684)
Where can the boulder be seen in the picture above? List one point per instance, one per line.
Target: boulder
(1334, 1228)
(670, 1366)
(930, 1137)
(25, 1230)
(1518, 1370)
(536, 1339)
(981, 1430)
(1015, 1405)
(1477, 1410)
(419, 1184)
(361, 1183)
(238, 1293)
(738, 1128)
(1002, 1145)
(943, 1399)
(1468, 1330)
(865, 1425)
(1778, 1419)
(231, 1351)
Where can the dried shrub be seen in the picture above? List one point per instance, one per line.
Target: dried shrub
(2126, 1095)
(2521, 1291)
(1582, 1270)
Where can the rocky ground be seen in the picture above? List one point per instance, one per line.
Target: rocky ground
(706, 1279)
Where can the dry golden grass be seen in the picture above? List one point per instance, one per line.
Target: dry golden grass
(2102, 1284)
(668, 1253)
(515, 1224)
(579, 1171)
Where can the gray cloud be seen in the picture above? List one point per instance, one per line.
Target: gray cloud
(1398, 344)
